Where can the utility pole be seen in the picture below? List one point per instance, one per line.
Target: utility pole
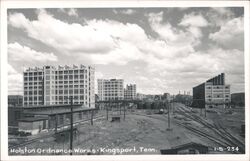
(71, 125)
(124, 112)
(107, 109)
(92, 116)
(168, 106)
(173, 105)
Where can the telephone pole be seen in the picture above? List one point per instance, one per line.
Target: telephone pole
(71, 125)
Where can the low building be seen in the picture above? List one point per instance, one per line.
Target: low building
(15, 100)
(212, 93)
(238, 99)
(43, 118)
(33, 125)
(130, 92)
(189, 148)
(14, 114)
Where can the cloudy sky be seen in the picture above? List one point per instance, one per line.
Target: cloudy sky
(159, 49)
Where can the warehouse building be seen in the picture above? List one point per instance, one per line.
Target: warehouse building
(15, 100)
(44, 118)
(52, 86)
(110, 89)
(212, 93)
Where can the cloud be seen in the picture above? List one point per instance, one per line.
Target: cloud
(218, 16)
(15, 81)
(195, 20)
(67, 38)
(124, 11)
(169, 59)
(70, 11)
(177, 40)
(17, 52)
(128, 12)
(231, 34)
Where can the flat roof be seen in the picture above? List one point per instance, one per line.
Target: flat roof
(32, 119)
(58, 111)
(51, 106)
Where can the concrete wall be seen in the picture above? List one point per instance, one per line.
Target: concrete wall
(34, 127)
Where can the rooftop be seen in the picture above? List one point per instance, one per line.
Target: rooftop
(65, 67)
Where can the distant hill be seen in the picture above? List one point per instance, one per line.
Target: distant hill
(238, 99)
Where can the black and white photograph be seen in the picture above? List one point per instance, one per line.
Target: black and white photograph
(142, 80)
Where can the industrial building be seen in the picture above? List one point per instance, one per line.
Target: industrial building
(212, 93)
(15, 100)
(51, 85)
(130, 92)
(140, 96)
(110, 89)
(44, 118)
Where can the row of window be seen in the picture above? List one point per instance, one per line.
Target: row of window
(48, 83)
(57, 72)
(31, 87)
(32, 73)
(217, 87)
(71, 82)
(33, 103)
(66, 77)
(40, 78)
(33, 92)
(209, 96)
(75, 91)
(39, 98)
(60, 98)
(33, 83)
(211, 99)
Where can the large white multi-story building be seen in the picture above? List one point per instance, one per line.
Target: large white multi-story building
(110, 89)
(52, 86)
(130, 92)
(213, 93)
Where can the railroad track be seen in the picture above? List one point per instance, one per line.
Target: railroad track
(225, 137)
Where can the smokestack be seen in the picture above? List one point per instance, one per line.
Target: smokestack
(223, 78)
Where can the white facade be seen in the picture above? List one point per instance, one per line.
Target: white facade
(217, 95)
(110, 89)
(50, 85)
(130, 92)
